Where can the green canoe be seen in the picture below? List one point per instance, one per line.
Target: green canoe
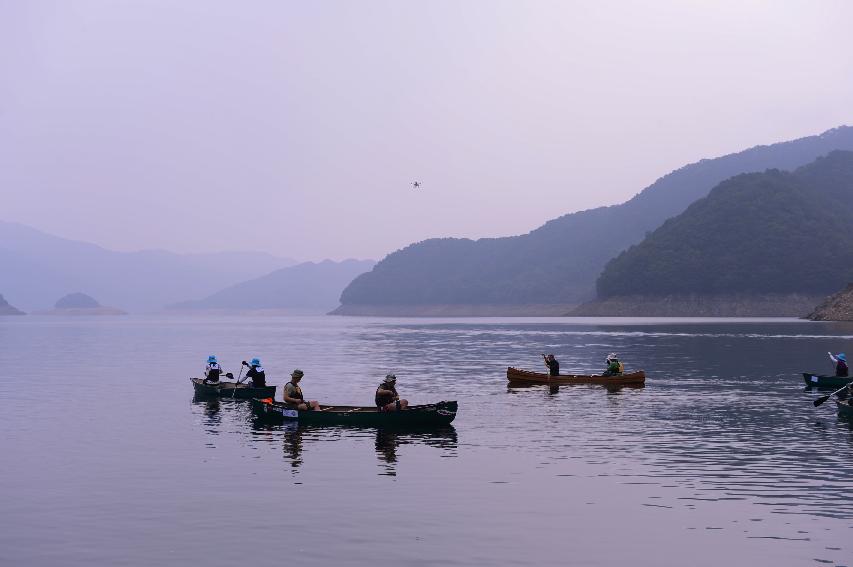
(844, 408)
(438, 414)
(819, 381)
(230, 390)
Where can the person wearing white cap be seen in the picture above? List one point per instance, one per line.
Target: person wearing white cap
(387, 398)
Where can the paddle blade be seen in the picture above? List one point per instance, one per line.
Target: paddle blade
(820, 400)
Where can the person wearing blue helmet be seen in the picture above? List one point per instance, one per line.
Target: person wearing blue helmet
(256, 373)
(212, 370)
(840, 361)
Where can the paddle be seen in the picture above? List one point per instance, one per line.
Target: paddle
(239, 375)
(822, 399)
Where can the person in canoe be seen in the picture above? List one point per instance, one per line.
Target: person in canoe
(293, 394)
(840, 361)
(614, 365)
(553, 365)
(256, 373)
(212, 370)
(387, 398)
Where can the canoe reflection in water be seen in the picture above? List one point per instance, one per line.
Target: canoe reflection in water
(388, 440)
(552, 389)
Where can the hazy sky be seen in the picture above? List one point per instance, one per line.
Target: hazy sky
(297, 128)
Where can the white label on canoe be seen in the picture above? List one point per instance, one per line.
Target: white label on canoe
(289, 412)
(814, 378)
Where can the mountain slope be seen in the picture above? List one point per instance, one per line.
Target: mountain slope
(36, 268)
(760, 233)
(307, 286)
(559, 262)
(6, 309)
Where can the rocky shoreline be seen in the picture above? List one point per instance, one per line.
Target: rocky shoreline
(836, 307)
(699, 305)
(528, 310)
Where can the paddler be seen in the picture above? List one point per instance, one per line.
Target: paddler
(840, 361)
(553, 365)
(293, 394)
(387, 398)
(614, 365)
(256, 373)
(212, 370)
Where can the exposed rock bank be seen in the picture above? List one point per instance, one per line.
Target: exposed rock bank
(6, 309)
(531, 310)
(696, 305)
(836, 307)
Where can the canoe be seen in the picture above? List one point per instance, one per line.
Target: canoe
(517, 376)
(439, 414)
(844, 408)
(231, 390)
(819, 381)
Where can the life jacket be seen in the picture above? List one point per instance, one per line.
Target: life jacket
(381, 397)
(258, 376)
(841, 368)
(292, 390)
(212, 372)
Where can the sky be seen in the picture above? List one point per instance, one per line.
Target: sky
(297, 128)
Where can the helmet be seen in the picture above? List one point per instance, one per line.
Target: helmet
(389, 379)
(297, 373)
(211, 359)
(612, 356)
(842, 356)
(256, 362)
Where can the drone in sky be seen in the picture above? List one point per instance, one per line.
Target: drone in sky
(416, 184)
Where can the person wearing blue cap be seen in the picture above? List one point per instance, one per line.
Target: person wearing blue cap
(840, 361)
(256, 373)
(212, 370)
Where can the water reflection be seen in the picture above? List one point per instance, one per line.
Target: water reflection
(389, 440)
(210, 411)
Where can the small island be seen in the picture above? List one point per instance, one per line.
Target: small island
(80, 304)
(6, 309)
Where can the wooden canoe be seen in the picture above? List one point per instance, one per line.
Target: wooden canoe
(517, 376)
(822, 381)
(231, 390)
(844, 408)
(439, 414)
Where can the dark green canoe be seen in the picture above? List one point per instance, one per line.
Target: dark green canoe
(231, 390)
(438, 414)
(819, 381)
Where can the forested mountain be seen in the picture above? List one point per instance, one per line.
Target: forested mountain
(36, 268)
(759, 233)
(304, 287)
(559, 262)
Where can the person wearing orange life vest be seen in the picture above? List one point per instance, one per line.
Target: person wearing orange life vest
(387, 398)
(293, 394)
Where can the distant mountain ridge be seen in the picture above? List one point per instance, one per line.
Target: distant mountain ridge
(309, 286)
(770, 233)
(559, 262)
(36, 268)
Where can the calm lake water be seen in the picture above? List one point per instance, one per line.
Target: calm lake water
(720, 459)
